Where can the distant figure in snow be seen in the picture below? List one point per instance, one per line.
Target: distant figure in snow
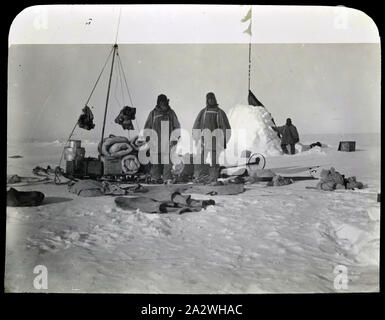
(162, 112)
(211, 117)
(289, 135)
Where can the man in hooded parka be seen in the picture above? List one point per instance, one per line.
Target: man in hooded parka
(289, 135)
(162, 112)
(211, 117)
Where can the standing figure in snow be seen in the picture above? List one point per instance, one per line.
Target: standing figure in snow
(211, 118)
(289, 135)
(162, 113)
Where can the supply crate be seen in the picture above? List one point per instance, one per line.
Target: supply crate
(94, 168)
(112, 166)
(76, 168)
(88, 167)
(347, 146)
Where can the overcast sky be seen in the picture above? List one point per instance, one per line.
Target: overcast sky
(324, 88)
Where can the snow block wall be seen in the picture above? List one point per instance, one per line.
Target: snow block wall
(251, 130)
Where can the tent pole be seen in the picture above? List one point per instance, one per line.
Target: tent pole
(108, 91)
(249, 64)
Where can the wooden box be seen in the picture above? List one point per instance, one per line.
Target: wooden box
(347, 146)
(94, 168)
(111, 165)
(76, 168)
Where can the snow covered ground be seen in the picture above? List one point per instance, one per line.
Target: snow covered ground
(266, 240)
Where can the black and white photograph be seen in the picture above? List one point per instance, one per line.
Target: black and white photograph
(193, 149)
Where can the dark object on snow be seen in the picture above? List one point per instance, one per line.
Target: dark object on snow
(378, 197)
(86, 119)
(15, 157)
(176, 203)
(125, 116)
(316, 144)
(87, 188)
(278, 181)
(17, 198)
(347, 146)
(351, 183)
(13, 179)
(332, 180)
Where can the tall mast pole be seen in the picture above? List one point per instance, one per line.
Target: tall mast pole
(249, 64)
(109, 80)
(108, 90)
(251, 21)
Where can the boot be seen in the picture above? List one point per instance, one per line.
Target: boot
(180, 199)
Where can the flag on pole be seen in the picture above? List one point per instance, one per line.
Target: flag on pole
(246, 18)
(253, 101)
(248, 30)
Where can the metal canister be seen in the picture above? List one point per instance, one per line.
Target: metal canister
(69, 154)
(75, 144)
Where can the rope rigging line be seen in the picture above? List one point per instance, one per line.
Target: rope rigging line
(119, 80)
(125, 79)
(120, 66)
(88, 100)
(128, 90)
(121, 85)
(116, 79)
(101, 72)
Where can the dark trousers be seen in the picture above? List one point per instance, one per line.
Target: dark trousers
(292, 148)
(203, 169)
(161, 170)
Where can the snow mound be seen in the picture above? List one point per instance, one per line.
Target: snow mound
(251, 130)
